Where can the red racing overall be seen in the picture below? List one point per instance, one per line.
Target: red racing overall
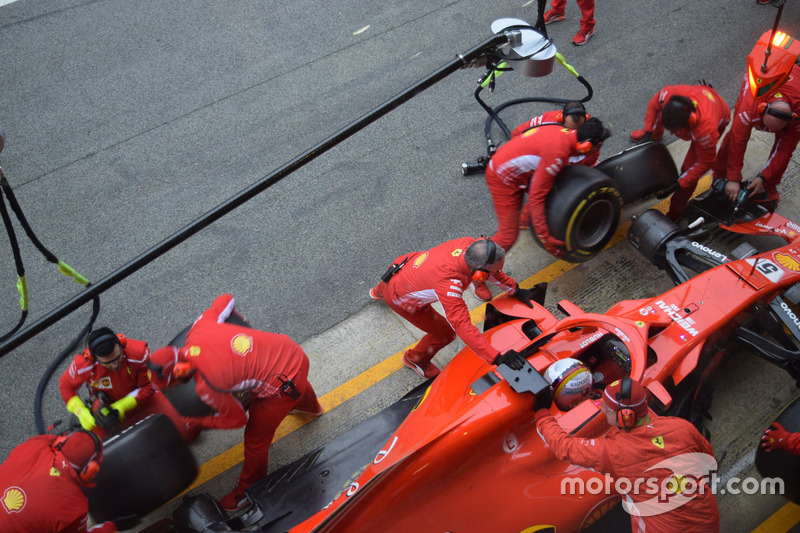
(712, 117)
(40, 491)
(229, 357)
(630, 455)
(439, 274)
(528, 163)
(746, 116)
(131, 379)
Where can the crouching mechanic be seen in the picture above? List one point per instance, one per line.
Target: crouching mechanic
(530, 162)
(694, 113)
(228, 361)
(41, 480)
(573, 115)
(416, 280)
(645, 440)
(114, 368)
(778, 113)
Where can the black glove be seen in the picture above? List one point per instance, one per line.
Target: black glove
(512, 359)
(524, 295)
(544, 399)
(108, 419)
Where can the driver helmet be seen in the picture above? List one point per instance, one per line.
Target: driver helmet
(571, 382)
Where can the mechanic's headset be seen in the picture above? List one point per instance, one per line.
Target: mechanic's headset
(482, 273)
(568, 112)
(788, 116)
(88, 471)
(691, 107)
(626, 417)
(106, 337)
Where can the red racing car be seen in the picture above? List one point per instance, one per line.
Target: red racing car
(463, 450)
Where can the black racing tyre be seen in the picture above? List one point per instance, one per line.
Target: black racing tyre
(583, 210)
(780, 463)
(143, 468)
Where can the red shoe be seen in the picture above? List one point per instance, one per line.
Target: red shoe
(554, 16)
(480, 291)
(644, 136)
(427, 372)
(375, 293)
(234, 501)
(582, 37)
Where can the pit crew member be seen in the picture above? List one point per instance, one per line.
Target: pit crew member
(418, 279)
(778, 113)
(530, 163)
(113, 367)
(642, 441)
(41, 480)
(558, 10)
(228, 362)
(777, 437)
(572, 115)
(694, 113)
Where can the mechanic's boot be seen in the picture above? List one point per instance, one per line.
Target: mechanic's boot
(639, 136)
(554, 16)
(234, 501)
(582, 37)
(481, 291)
(425, 370)
(376, 292)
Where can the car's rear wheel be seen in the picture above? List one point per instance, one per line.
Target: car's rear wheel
(583, 209)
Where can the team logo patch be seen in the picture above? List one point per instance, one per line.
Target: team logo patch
(708, 95)
(194, 351)
(14, 500)
(658, 441)
(787, 261)
(55, 472)
(102, 383)
(419, 260)
(242, 344)
(457, 252)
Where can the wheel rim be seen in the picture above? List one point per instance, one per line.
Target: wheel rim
(595, 224)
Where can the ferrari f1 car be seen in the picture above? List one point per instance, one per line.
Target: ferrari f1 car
(463, 452)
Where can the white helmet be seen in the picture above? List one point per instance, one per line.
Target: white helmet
(571, 382)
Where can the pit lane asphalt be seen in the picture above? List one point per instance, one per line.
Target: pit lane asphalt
(125, 121)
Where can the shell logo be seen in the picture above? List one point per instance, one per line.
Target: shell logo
(708, 95)
(194, 351)
(419, 260)
(242, 344)
(14, 500)
(788, 262)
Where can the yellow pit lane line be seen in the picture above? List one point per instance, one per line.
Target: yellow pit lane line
(235, 455)
(782, 521)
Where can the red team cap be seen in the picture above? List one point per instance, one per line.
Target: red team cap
(79, 448)
(637, 402)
